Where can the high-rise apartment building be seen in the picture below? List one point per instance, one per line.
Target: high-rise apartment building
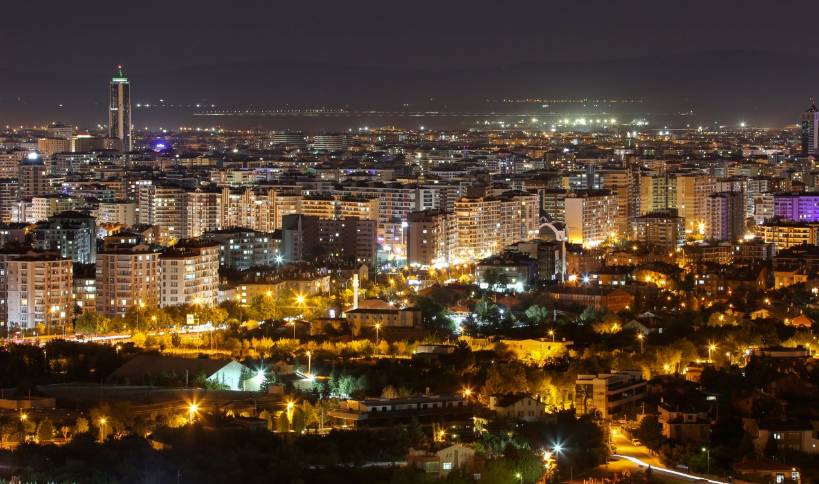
(241, 248)
(163, 206)
(725, 216)
(36, 289)
(127, 276)
(32, 175)
(9, 193)
(121, 212)
(432, 238)
(72, 234)
(591, 217)
(189, 273)
(487, 224)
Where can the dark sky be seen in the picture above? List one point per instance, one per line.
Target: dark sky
(60, 46)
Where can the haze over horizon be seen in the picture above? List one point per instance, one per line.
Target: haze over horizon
(725, 67)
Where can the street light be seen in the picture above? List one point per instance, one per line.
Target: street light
(294, 328)
(309, 363)
(102, 421)
(519, 476)
(193, 408)
(711, 347)
(708, 458)
(552, 334)
(641, 337)
(467, 392)
(377, 327)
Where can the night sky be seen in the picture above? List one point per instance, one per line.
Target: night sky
(761, 54)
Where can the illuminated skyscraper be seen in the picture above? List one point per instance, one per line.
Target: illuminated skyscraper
(119, 110)
(810, 131)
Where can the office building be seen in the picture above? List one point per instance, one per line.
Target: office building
(810, 131)
(119, 110)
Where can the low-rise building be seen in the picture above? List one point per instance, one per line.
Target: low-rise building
(389, 411)
(685, 422)
(609, 393)
(384, 317)
(613, 299)
(517, 407)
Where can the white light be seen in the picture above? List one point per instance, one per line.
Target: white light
(32, 155)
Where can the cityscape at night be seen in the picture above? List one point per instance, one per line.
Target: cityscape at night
(459, 242)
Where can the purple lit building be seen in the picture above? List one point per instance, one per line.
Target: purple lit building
(799, 207)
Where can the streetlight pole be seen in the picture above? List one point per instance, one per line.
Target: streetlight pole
(641, 337)
(309, 363)
(377, 327)
(708, 459)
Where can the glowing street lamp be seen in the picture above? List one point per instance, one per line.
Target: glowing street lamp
(102, 422)
(641, 337)
(309, 363)
(467, 392)
(552, 334)
(708, 457)
(377, 327)
(193, 408)
(290, 407)
(711, 347)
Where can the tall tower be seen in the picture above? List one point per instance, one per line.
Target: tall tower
(119, 110)
(810, 130)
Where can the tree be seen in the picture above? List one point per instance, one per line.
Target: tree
(92, 323)
(504, 379)
(434, 314)
(45, 430)
(650, 432)
(81, 425)
(538, 314)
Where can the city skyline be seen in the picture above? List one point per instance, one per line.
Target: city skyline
(473, 243)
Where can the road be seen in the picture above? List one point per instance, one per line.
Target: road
(116, 338)
(630, 456)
